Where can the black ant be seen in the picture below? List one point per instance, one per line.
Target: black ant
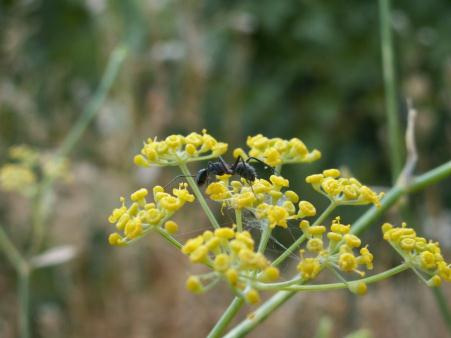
(241, 168)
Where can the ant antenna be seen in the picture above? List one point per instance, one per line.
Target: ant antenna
(176, 178)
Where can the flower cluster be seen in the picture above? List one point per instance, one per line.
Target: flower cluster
(421, 254)
(263, 197)
(176, 149)
(142, 216)
(338, 254)
(27, 167)
(232, 257)
(277, 151)
(344, 191)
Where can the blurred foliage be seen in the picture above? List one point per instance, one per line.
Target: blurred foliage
(307, 69)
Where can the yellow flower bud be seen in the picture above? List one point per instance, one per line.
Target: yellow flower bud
(171, 227)
(252, 297)
(194, 284)
(331, 173)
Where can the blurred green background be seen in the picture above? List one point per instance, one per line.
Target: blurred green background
(307, 69)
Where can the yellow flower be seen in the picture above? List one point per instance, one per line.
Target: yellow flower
(315, 245)
(217, 191)
(277, 216)
(183, 194)
(171, 227)
(347, 262)
(244, 200)
(194, 284)
(277, 151)
(221, 263)
(271, 273)
(279, 181)
(170, 203)
(16, 177)
(306, 209)
(176, 149)
(252, 297)
(226, 233)
(309, 268)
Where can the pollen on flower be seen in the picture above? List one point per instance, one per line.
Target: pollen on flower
(141, 217)
(423, 255)
(306, 209)
(231, 255)
(176, 149)
(277, 151)
(345, 191)
(309, 268)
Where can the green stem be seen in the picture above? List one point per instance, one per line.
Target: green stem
(168, 237)
(388, 66)
(24, 303)
(37, 222)
(226, 317)
(281, 297)
(420, 182)
(115, 61)
(336, 286)
(23, 280)
(301, 239)
(239, 220)
(362, 223)
(443, 306)
(111, 72)
(198, 193)
(288, 286)
(266, 234)
(11, 252)
(260, 314)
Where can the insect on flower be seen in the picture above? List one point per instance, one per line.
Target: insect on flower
(241, 168)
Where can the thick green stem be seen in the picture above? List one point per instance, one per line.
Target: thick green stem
(362, 223)
(301, 239)
(198, 193)
(388, 66)
(226, 317)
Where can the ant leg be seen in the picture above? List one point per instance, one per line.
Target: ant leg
(264, 163)
(227, 169)
(176, 178)
(250, 184)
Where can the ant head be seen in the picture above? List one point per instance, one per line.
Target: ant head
(201, 176)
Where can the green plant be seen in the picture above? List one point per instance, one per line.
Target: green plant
(231, 254)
